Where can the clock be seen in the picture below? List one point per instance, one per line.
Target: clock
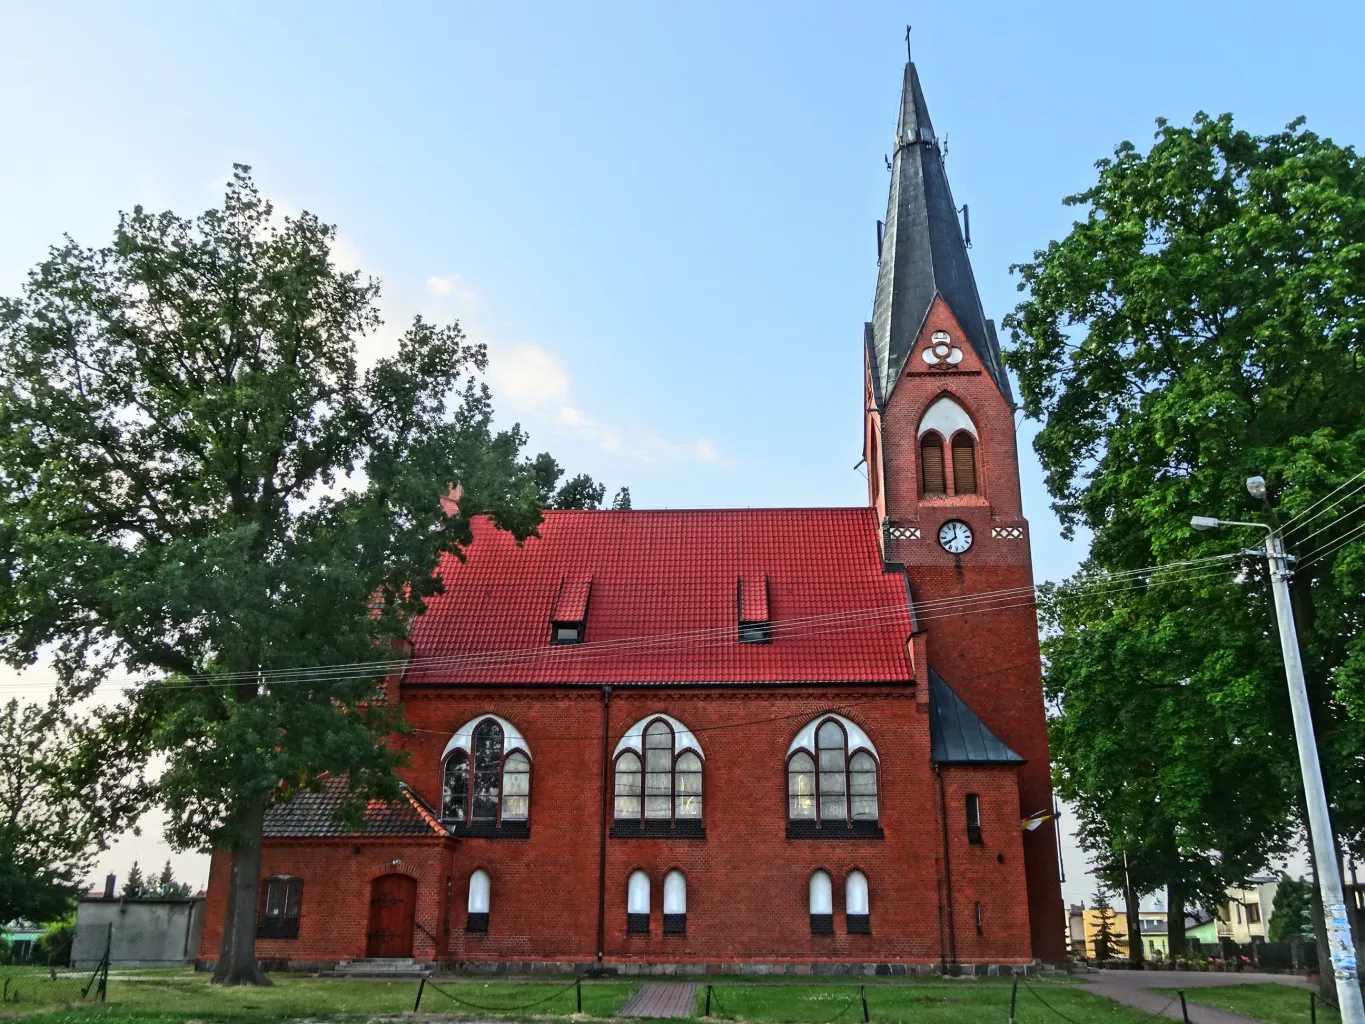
(955, 536)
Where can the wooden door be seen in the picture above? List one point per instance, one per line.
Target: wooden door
(393, 904)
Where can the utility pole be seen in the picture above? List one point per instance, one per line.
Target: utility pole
(1340, 947)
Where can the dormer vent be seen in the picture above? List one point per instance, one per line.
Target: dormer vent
(569, 619)
(755, 621)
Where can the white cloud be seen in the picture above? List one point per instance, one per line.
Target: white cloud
(534, 381)
(449, 285)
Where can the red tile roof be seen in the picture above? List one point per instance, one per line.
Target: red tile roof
(753, 598)
(572, 603)
(663, 608)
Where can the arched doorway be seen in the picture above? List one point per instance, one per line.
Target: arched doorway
(393, 904)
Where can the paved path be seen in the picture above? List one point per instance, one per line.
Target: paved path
(662, 999)
(1134, 988)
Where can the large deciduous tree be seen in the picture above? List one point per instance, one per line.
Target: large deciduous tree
(199, 484)
(1202, 323)
(49, 827)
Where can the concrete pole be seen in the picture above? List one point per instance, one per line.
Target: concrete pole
(1340, 947)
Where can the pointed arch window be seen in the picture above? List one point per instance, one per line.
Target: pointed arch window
(486, 780)
(933, 479)
(658, 781)
(832, 782)
(964, 463)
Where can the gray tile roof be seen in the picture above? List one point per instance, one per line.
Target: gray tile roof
(314, 814)
(956, 735)
(923, 254)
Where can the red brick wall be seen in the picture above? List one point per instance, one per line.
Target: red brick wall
(747, 884)
(335, 901)
(988, 653)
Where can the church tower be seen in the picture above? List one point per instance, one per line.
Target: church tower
(943, 475)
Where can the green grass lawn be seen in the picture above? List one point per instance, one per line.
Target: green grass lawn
(186, 996)
(941, 1001)
(1279, 1004)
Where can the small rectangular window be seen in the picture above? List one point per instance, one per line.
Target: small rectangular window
(822, 924)
(279, 917)
(859, 924)
(1253, 913)
(675, 924)
(476, 924)
(637, 924)
(755, 632)
(978, 919)
(974, 820)
(567, 633)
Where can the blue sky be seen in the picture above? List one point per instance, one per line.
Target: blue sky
(660, 217)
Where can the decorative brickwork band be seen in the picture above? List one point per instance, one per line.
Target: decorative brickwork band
(894, 532)
(1007, 532)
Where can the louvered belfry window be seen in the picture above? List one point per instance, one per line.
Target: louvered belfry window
(931, 465)
(964, 464)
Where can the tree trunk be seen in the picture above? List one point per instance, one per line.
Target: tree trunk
(220, 967)
(237, 964)
(1175, 918)
(1130, 901)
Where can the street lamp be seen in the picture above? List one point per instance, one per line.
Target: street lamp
(1340, 946)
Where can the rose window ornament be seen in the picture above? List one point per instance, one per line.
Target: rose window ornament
(941, 352)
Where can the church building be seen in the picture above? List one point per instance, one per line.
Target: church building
(793, 737)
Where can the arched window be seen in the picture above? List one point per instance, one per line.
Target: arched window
(480, 900)
(628, 785)
(658, 779)
(637, 903)
(516, 787)
(801, 787)
(487, 770)
(831, 779)
(675, 903)
(486, 779)
(933, 480)
(964, 463)
(821, 904)
(658, 770)
(874, 465)
(855, 904)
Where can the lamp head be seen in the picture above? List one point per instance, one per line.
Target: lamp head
(1204, 522)
(1256, 487)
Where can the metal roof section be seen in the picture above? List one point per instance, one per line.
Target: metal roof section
(923, 253)
(956, 735)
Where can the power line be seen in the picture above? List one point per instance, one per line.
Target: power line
(989, 601)
(1334, 545)
(1335, 522)
(1289, 528)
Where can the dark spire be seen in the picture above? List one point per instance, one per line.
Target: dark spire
(923, 254)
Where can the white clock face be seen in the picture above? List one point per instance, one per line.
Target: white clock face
(955, 536)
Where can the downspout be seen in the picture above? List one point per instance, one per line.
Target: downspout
(602, 832)
(947, 867)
